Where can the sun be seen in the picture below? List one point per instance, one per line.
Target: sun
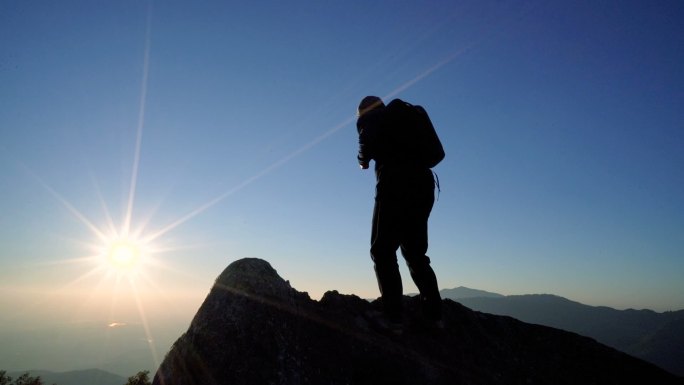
(124, 255)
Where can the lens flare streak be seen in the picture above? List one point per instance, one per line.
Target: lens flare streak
(122, 255)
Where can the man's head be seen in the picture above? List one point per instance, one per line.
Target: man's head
(369, 103)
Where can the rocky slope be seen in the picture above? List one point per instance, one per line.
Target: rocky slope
(254, 328)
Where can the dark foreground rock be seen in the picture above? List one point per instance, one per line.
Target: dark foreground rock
(254, 328)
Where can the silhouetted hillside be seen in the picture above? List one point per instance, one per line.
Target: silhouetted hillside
(75, 377)
(464, 292)
(664, 347)
(656, 337)
(254, 328)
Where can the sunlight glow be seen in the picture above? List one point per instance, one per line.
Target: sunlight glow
(124, 255)
(120, 255)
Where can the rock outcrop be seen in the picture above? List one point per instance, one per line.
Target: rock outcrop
(254, 328)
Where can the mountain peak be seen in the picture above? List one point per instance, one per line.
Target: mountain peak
(465, 292)
(253, 276)
(254, 328)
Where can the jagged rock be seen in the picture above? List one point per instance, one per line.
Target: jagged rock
(254, 328)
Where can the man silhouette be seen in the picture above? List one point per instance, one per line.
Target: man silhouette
(403, 201)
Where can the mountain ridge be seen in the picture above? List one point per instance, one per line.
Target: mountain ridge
(640, 333)
(74, 377)
(254, 328)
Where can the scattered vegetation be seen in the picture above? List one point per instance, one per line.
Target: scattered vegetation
(141, 378)
(24, 379)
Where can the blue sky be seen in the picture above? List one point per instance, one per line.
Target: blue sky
(228, 131)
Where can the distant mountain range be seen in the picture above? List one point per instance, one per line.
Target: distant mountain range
(646, 334)
(75, 377)
(464, 292)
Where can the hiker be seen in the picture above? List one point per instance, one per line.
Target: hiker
(403, 200)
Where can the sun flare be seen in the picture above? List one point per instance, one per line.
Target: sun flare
(124, 255)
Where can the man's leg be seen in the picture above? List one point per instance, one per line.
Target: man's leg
(384, 244)
(426, 281)
(414, 245)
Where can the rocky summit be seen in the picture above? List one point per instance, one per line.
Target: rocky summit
(254, 328)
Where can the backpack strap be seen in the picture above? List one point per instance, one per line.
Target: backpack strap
(436, 179)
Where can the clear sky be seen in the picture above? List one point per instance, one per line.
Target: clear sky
(204, 132)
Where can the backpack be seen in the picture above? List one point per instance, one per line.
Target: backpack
(428, 147)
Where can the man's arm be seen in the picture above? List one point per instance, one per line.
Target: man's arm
(367, 137)
(363, 157)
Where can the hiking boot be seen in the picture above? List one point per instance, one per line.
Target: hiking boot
(382, 323)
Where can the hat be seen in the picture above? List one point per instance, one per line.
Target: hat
(369, 103)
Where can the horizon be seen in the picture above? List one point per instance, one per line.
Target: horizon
(146, 145)
(99, 335)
